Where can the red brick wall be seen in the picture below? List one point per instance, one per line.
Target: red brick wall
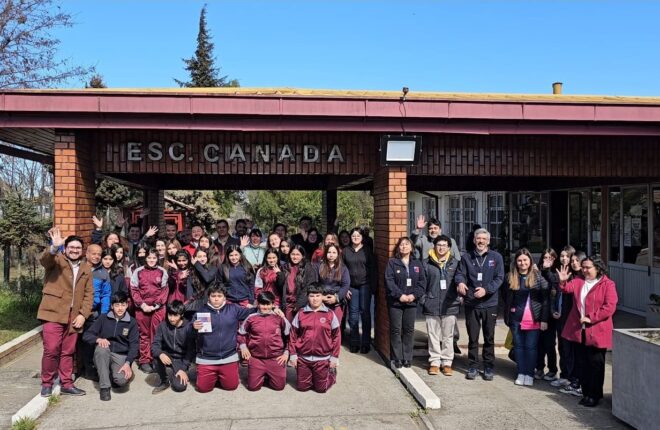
(74, 203)
(390, 223)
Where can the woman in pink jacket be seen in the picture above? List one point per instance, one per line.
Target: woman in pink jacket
(589, 324)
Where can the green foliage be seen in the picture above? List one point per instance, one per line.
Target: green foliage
(269, 207)
(201, 66)
(355, 209)
(54, 400)
(96, 81)
(20, 223)
(113, 194)
(210, 206)
(18, 312)
(24, 423)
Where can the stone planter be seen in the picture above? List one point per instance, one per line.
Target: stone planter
(635, 377)
(653, 315)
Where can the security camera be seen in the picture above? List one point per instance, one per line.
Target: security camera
(405, 90)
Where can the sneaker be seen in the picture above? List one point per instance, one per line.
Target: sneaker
(407, 363)
(539, 374)
(365, 349)
(160, 388)
(446, 370)
(488, 374)
(46, 391)
(146, 368)
(471, 373)
(561, 382)
(72, 391)
(529, 381)
(105, 394)
(550, 376)
(434, 370)
(572, 389)
(520, 380)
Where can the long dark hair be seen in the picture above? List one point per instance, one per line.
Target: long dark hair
(302, 266)
(122, 265)
(555, 264)
(226, 265)
(324, 267)
(114, 269)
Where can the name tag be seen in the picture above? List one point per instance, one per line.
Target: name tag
(408, 282)
(480, 276)
(443, 284)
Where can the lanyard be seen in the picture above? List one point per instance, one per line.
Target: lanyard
(476, 259)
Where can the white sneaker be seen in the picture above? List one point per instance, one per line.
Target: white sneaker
(529, 380)
(520, 380)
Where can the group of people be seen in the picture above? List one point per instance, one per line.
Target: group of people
(568, 298)
(213, 301)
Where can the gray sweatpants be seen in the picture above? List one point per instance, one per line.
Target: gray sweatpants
(108, 363)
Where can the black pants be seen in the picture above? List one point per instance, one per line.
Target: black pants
(477, 320)
(566, 353)
(590, 363)
(168, 373)
(547, 347)
(402, 330)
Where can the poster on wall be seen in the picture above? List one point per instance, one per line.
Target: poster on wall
(627, 231)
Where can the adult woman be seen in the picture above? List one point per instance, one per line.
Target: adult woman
(253, 251)
(527, 310)
(589, 324)
(361, 266)
(334, 276)
(405, 282)
(547, 340)
(345, 238)
(237, 274)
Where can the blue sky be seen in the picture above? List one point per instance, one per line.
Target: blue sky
(594, 47)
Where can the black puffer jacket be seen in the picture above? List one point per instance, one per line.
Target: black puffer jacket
(436, 301)
(539, 296)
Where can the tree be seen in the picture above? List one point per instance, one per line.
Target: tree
(201, 66)
(96, 81)
(355, 209)
(210, 206)
(20, 226)
(269, 207)
(28, 50)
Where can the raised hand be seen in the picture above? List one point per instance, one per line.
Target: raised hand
(421, 222)
(563, 273)
(152, 231)
(245, 240)
(98, 223)
(56, 237)
(121, 220)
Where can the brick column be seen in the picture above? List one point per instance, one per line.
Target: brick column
(328, 210)
(390, 220)
(74, 203)
(155, 201)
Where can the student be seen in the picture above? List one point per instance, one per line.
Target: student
(149, 288)
(333, 275)
(304, 225)
(281, 230)
(237, 275)
(329, 239)
(285, 249)
(115, 335)
(311, 244)
(315, 343)
(262, 339)
(253, 251)
(202, 274)
(548, 338)
(173, 246)
(217, 359)
(179, 278)
(298, 274)
(114, 270)
(271, 277)
(274, 240)
(173, 349)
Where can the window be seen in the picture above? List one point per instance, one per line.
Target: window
(455, 218)
(595, 220)
(578, 207)
(469, 218)
(429, 207)
(495, 224)
(635, 229)
(529, 221)
(615, 224)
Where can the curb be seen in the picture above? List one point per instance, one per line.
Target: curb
(35, 407)
(12, 349)
(418, 388)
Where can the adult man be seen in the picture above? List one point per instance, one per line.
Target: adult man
(224, 239)
(280, 229)
(423, 240)
(479, 276)
(66, 303)
(196, 232)
(241, 228)
(170, 230)
(304, 226)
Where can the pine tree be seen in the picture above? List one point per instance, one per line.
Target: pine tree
(201, 66)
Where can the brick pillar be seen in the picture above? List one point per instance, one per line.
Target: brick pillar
(74, 203)
(328, 210)
(155, 201)
(390, 223)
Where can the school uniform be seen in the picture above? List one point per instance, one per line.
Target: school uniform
(266, 337)
(178, 343)
(315, 343)
(239, 283)
(150, 286)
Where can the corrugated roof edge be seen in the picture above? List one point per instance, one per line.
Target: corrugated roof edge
(354, 94)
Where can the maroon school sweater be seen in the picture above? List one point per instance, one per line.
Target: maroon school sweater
(265, 335)
(315, 335)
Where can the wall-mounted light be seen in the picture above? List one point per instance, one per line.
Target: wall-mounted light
(397, 150)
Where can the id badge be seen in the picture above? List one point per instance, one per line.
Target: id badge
(443, 284)
(480, 276)
(408, 282)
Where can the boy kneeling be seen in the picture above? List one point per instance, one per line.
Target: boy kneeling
(116, 337)
(173, 349)
(262, 339)
(315, 343)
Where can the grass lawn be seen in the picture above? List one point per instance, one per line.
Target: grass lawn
(17, 314)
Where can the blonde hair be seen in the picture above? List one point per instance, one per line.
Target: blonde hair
(514, 275)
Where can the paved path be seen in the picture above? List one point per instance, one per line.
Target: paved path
(20, 382)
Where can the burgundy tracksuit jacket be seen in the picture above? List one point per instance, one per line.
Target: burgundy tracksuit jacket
(266, 337)
(150, 286)
(315, 342)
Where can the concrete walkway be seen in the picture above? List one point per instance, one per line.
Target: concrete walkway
(20, 382)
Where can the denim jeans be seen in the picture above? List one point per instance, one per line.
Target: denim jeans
(525, 344)
(360, 310)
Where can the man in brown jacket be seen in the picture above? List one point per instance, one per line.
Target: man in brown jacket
(65, 305)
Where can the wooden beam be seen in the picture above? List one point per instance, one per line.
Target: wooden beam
(26, 155)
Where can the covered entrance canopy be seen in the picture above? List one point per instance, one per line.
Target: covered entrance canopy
(298, 139)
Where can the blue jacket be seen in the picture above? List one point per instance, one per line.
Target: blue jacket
(396, 280)
(220, 344)
(122, 333)
(491, 266)
(102, 291)
(239, 283)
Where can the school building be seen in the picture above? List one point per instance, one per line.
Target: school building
(536, 170)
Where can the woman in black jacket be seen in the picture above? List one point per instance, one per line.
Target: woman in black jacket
(548, 265)
(526, 313)
(405, 283)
